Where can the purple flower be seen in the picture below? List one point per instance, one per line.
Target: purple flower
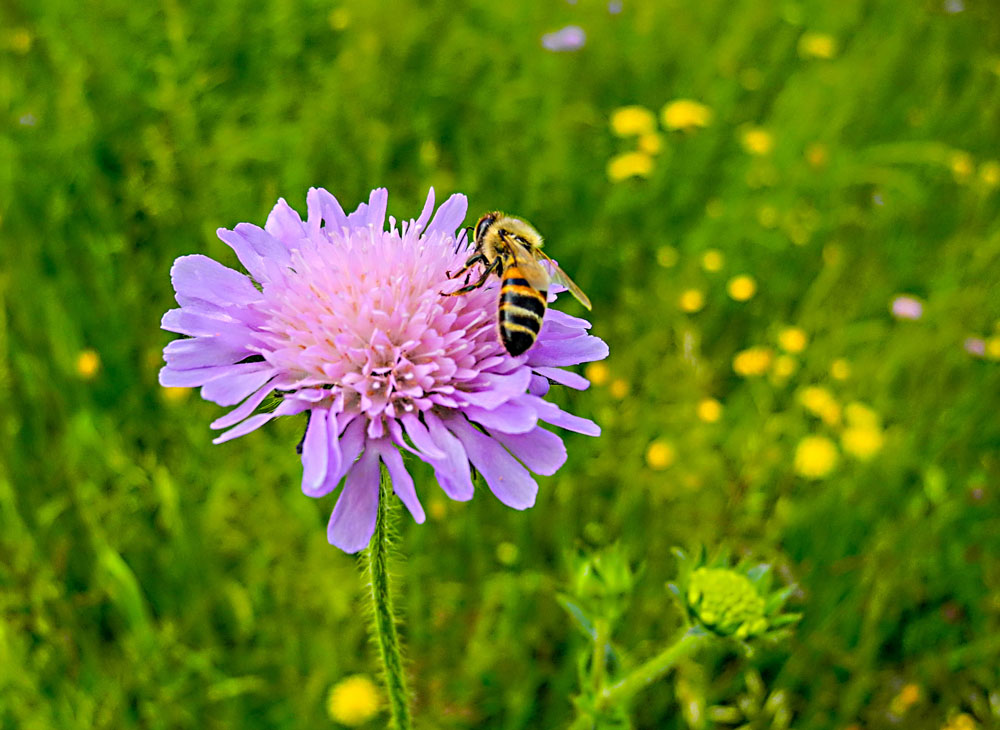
(975, 346)
(343, 319)
(907, 307)
(570, 38)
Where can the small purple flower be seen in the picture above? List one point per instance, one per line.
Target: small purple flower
(975, 346)
(615, 7)
(343, 319)
(907, 307)
(570, 38)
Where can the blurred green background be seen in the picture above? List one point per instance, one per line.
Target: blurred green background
(833, 155)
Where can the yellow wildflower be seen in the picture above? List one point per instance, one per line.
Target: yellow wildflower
(752, 361)
(353, 701)
(597, 373)
(629, 164)
(713, 260)
(685, 114)
(660, 455)
(709, 410)
(741, 288)
(815, 457)
(993, 348)
(619, 388)
(862, 442)
(438, 508)
(339, 18)
(817, 155)
(88, 362)
(793, 340)
(815, 399)
(784, 367)
(840, 369)
(175, 395)
(961, 721)
(858, 414)
(757, 141)
(507, 553)
(651, 143)
(632, 121)
(817, 45)
(692, 300)
(961, 166)
(989, 173)
(666, 256)
(908, 696)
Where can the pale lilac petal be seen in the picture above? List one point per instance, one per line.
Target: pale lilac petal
(506, 478)
(349, 446)
(500, 388)
(555, 318)
(449, 216)
(326, 208)
(195, 324)
(402, 482)
(244, 409)
(353, 520)
(559, 353)
(551, 413)
(199, 277)
(425, 214)
(170, 378)
(420, 437)
(452, 473)
(285, 224)
(315, 451)
(251, 424)
(233, 388)
(377, 202)
(514, 416)
(538, 386)
(570, 38)
(564, 377)
(200, 352)
(248, 242)
(541, 451)
(358, 218)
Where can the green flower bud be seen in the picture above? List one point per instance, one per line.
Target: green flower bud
(726, 602)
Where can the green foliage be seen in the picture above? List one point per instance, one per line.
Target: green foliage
(151, 580)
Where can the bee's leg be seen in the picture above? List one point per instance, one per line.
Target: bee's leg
(476, 258)
(495, 266)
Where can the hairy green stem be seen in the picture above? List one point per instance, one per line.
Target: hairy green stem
(651, 671)
(385, 620)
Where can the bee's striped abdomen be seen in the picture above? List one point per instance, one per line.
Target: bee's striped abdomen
(521, 310)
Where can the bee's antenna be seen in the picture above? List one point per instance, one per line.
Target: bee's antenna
(458, 241)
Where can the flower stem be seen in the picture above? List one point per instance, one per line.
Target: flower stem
(385, 621)
(651, 671)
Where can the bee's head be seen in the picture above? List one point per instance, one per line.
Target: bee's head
(484, 225)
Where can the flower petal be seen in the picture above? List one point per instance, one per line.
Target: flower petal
(425, 214)
(201, 278)
(233, 388)
(551, 413)
(564, 377)
(538, 386)
(285, 224)
(200, 352)
(513, 416)
(244, 409)
(348, 447)
(499, 388)
(449, 216)
(542, 451)
(507, 479)
(315, 451)
(377, 202)
(569, 351)
(452, 472)
(326, 208)
(251, 424)
(353, 520)
(402, 482)
(420, 437)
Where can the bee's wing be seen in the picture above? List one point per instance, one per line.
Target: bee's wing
(533, 271)
(561, 277)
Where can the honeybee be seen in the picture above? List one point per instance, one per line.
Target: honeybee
(512, 249)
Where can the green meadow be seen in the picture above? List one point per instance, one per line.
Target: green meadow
(796, 268)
